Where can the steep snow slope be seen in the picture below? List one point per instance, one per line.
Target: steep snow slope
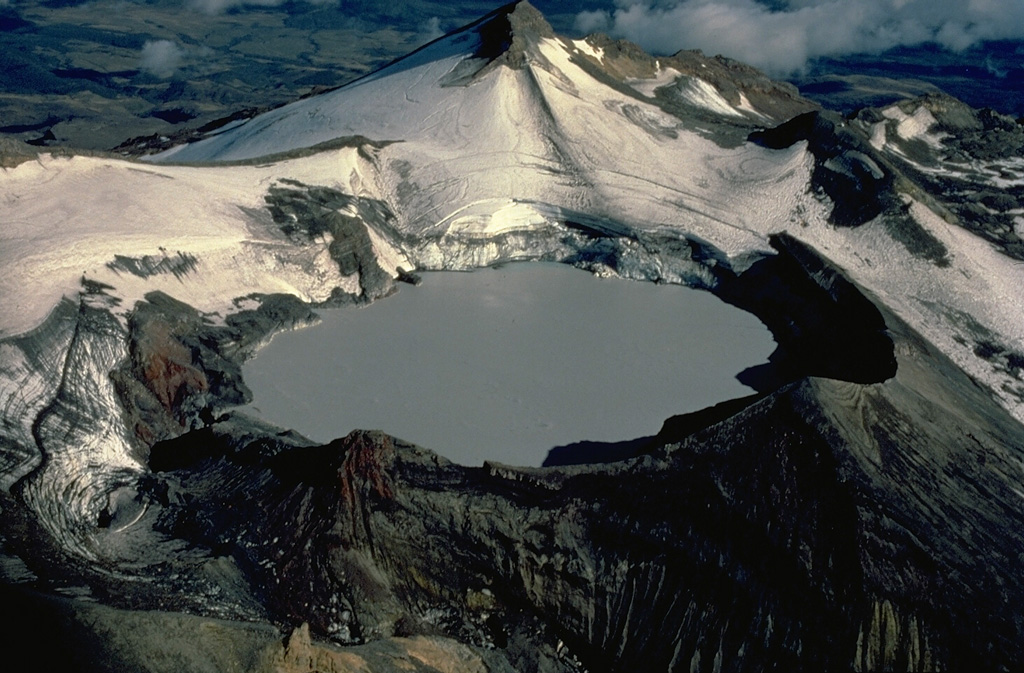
(443, 94)
(201, 234)
(467, 135)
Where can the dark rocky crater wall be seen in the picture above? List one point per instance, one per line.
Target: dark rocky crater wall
(744, 533)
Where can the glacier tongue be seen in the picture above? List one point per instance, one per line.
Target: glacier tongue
(80, 433)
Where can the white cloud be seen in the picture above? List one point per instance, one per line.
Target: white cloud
(160, 57)
(598, 21)
(782, 37)
(431, 30)
(221, 6)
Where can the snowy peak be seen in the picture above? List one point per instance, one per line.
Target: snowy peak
(511, 33)
(503, 71)
(507, 36)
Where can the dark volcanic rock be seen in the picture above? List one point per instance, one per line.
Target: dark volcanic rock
(972, 177)
(860, 182)
(508, 35)
(805, 532)
(182, 370)
(845, 169)
(823, 324)
(312, 212)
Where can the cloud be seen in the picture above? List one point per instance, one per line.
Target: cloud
(160, 57)
(431, 30)
(780, 36)
(221, 6)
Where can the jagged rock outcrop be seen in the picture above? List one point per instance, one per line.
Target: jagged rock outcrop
(966, 160)
(508, 34)
(182, 370)
(13, 153)
(860, 182)
(314, 212)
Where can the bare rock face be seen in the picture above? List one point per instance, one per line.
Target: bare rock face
(181, 369)
(165, 369)
(309, 212)
(508, 36)
(13, 153)
(299, 654)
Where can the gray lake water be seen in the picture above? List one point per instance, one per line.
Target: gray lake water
(504, 364)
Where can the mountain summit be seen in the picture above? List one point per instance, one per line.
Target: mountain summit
(509, 33)
(414, 98)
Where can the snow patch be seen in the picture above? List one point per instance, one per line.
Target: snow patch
(915, 126)
(590, 50)
(705, 95)
(878, 135)
(494, 217)
(747, 107)
(388, 255)
(1006, 173)
(663, 77)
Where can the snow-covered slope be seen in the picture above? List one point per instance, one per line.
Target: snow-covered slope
(199, 233)
(467, 136)
(449, 94)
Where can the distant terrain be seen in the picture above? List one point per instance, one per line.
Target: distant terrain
(91, 75)
(990, 75)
